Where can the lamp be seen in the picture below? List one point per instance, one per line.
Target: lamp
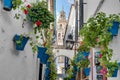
(69, 42)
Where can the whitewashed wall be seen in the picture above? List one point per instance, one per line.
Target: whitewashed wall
(15, 65)
(109, 7)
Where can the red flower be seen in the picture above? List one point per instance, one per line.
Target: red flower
(100, 55)
(28, 6)
(81, 42)
(103, 71)
(25, 11)
(38, 23)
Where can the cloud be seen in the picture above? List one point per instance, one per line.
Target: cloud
(70, 1)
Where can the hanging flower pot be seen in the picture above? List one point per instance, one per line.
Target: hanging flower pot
(115, 73)
(44, 58)
(86, 71)
(86, 54)
(20, 41)
(114, 28)
(72, 79)
(41, 51)
(47, 72)
(47, 78)
(7, 5)
(74, 74)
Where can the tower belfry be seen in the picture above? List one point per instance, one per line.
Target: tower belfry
(61, 26)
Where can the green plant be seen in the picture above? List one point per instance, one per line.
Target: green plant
(41, 17)
(83, 48)
(106, 56)
(111, 67)
(114, 17)
(95, 34)
(16, 3)
(39, 14)
(48, 43)
(83, 63)
(95, 31)
(20, 40)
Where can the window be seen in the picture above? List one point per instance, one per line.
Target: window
(59, 35)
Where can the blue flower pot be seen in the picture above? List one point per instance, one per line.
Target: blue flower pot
(47, 72)
(47, 78)
(23, 42)
(115, 73)
(86, 71)
(41, 51)
(72, 79)
(48, 64)
(7, 5)
(119, 64)
(74, 74)
(75, 68)
(114, 29)
(86, 54)
(44, 58)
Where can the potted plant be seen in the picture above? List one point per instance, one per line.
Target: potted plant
(112, 69)
(84, 49)
(16, 3)
(44, 58)
(20, 41)
(47, 72)
(115, 20)
(41, 17)
(41, 51)
(9, 4)
(95, 31)
(83, 64)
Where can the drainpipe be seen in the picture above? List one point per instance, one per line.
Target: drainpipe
(76, 21)
(81, 13)
(98, 7)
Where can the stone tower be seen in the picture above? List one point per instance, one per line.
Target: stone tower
(61, 27)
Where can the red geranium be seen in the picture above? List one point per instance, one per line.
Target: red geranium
(28, 6)
(25, 11)
(38, 23)
(100, 55)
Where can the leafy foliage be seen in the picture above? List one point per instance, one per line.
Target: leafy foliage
(96, 34)
(16, 3)
(96, 28)
(39, 11)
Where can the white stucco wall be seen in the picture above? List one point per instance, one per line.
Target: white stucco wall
(71, 24)
(109, 7)
(64, 52)
(15, 65)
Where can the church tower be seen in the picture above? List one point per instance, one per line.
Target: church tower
(61, 26)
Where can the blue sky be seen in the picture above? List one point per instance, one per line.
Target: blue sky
(63, 3)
